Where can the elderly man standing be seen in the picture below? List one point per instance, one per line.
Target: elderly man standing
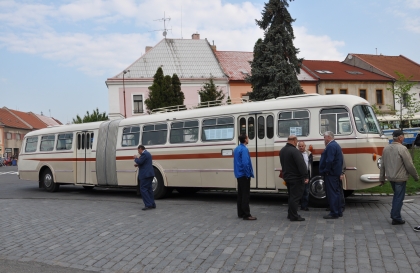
(331, 166)
(397, 165)
(307, 156)
(295, 173)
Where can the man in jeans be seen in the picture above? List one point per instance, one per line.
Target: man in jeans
(242, 168)
(397, 165)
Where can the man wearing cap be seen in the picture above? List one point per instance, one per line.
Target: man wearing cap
(397, 165)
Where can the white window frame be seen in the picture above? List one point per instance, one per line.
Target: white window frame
(132, 104)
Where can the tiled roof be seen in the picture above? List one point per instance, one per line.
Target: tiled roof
(30, 118)
(48, 120)
(10, 120)
(188, 58)
(235, 63)
(335, 70)
(390, 64)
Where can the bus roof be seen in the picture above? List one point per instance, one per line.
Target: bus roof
(286, 102)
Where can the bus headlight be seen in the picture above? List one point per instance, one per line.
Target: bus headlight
(379, 162)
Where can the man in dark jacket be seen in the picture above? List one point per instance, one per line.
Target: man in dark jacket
(331, 167)
(295, 173)
(146, 175)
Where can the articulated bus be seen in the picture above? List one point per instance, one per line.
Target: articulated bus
(411, 127)
(193, 149)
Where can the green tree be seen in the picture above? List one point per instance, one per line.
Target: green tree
(164, 92)
(408, 104)
(95, 116)
(275, 65)
(210, 92)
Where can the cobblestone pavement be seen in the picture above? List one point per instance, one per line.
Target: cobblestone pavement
(105, 231)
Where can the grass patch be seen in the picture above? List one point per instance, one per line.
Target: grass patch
(412, 186)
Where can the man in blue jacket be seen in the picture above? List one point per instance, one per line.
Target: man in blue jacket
(331, 167)
(242, 167)
(146, 175)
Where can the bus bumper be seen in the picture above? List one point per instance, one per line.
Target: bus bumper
(370, 178)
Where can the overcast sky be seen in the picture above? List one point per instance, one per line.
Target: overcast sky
(56, 55)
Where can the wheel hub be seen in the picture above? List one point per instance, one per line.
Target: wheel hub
(48, 180)
(317, 187)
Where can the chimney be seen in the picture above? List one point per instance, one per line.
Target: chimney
(196, 36)
(148, 48)
(213, 47)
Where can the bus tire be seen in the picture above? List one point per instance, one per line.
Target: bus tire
(159, 189)
(48, 181)
(187, 190)
(317, 195)
(88, 188)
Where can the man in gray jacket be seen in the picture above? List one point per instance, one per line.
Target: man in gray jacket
(397, 165)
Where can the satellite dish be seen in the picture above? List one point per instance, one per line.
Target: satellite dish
(350, 56)
(164, 33)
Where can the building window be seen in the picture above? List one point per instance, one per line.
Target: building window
(17, 136)
(343, 91)
(329, 91)
(8, 135)
(379, 97)
(138, 104)
(362, 93)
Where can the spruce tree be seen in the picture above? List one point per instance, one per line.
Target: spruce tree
(210, 92)
(155, 97)
(178, 95)
(275, 65)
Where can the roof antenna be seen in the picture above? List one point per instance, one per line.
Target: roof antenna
(181, 23)
(165, 30)
(376, 50)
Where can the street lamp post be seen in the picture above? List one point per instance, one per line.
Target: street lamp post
(125, 112)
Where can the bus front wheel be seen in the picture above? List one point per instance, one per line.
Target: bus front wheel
(48, 181)
(317, 195)
(159, 189)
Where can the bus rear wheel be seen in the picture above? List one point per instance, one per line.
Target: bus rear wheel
(48, 181)
(317, 195)
(159, 189)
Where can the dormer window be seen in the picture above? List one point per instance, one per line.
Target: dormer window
(323, 71)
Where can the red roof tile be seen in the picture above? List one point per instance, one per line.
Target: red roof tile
(340, 71)
(390, 64)
(30, 118)
(235, 63)
(10, 120)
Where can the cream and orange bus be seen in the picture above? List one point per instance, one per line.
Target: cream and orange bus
(193, 149)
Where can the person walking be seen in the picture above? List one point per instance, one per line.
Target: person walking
(397, 166)
(331, 166)
(242, 168)
(307, 157)
(146, 174)
(295, 173)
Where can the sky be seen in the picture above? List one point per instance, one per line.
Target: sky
(55, 56)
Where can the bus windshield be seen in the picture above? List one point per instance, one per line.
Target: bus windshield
(365, 119)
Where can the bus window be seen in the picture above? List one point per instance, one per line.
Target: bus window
(366, 122)
(415, 123)
(91, 140)
(335, 120)
(242, 126)
(155, 134)
(184, 132)
(64, 142)
(261, 126)
(131, 136)
(270, 127)
(251, 128)
(47, 143)
(293, 123)
(218, 129)
(31, 144)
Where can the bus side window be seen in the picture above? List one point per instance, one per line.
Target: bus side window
(47, 143)
(184, 132)
(334, 120)
(242, 126)
(251, 128)
(64, 142)
(218, 129)
(154, 134)
(130, 137)
(31, 144)
(270, 127)
(293, 123)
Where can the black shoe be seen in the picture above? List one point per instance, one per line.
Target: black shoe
(297, 219)
(398, 222)
(329, 216)
(147, 208)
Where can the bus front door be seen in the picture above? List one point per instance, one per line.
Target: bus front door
(84, 157)
(260, 130)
